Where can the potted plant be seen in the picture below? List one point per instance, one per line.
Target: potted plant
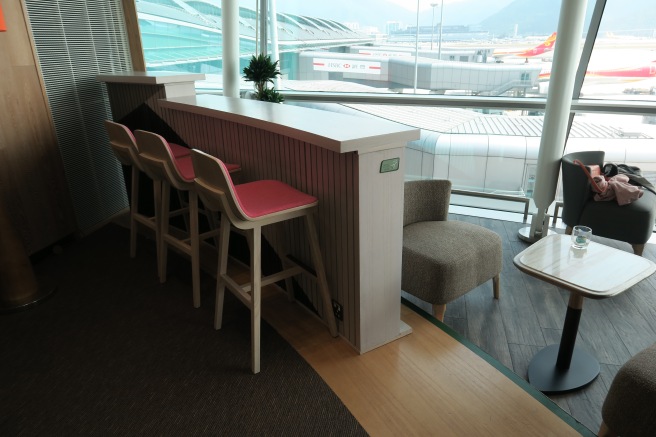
(261, 70)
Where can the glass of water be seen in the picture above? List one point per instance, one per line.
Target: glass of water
(581, 237)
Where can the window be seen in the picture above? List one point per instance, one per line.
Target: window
(622, 64)
(497, 50)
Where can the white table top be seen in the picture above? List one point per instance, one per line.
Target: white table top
(340, 133)
(595, 272)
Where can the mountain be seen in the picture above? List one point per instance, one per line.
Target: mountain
(540, 17)
(531, 17)
(499, 17)
(378, 12)
(635, 17)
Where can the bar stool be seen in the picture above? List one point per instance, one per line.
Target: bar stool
(159, 163)
(126, 151)
(249, 207)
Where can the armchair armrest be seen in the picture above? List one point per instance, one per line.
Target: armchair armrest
(576, 186)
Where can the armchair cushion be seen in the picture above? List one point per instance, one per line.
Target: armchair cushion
(442, 260)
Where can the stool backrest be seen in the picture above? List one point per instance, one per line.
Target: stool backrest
(157, 159)
(215, 187)
(123, 144)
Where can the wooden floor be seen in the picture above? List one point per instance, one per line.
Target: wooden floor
(424, 384)
(427, 383)
(531, 313)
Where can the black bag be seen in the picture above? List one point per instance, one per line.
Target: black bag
(610, 169)
(634, 174)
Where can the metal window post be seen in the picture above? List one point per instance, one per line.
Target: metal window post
(230, 44)
(556, 118)
(439, 41)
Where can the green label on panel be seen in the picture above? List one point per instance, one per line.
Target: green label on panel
(389, 165)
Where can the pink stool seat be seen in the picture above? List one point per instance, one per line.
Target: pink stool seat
(186, 167)
(179, 151)
(260, 198)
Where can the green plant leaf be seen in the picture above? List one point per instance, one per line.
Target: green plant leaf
(270, 95)
(261, 69)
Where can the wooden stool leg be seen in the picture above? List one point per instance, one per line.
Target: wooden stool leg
(604, 431)
(157, 190)
(329, 316)
(281, 250)
(638, 249)
(256, 283)
(164, 230)
(496, 285)
(215, 223)
(195, 247)
(221, 270)
(134, 209)
(438, 312)
(289, 284)
(184, 205)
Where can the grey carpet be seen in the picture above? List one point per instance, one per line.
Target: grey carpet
(113, 352)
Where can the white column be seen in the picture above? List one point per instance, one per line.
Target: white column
(416, 49)
(439, 43)
(230, 24)
(262, 20)
(275, 55)
(559, 100)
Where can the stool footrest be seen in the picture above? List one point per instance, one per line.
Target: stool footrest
(242, 290)
(309, 271)
(145, 220)
(208, 234)
(238, 290)
(178, 212)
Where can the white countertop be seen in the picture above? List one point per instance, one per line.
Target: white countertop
(340, 133)
(150, 78)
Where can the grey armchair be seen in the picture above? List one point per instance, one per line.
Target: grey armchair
(628, 409)
(631, 223)
(442, 260)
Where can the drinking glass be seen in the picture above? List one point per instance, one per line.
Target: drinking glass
(581, 237)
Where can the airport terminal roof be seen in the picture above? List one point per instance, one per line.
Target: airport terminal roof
(465, 121)
(207, 14)
(456, 120)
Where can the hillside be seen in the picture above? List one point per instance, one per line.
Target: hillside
(540, 17)
(532, 17)
(378, 12)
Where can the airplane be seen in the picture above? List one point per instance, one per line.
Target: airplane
(628, 73)
(636, 72)
(545, 47)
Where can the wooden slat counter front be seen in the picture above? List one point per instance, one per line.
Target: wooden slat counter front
(337, 158)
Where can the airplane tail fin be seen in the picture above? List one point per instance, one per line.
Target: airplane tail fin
(548, 44)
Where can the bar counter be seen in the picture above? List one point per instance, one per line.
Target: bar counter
(339, 133)
(353, 165)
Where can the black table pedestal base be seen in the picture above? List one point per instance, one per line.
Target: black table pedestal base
(546, 377)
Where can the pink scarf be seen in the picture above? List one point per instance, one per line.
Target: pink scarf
(617, 187)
